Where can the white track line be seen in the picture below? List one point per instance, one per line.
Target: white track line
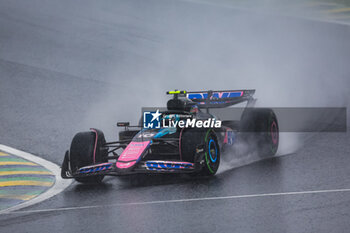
(180, 201)
(59, 186)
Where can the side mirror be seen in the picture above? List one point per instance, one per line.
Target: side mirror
(123, 124)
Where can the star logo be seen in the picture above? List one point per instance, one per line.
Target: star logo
(156, 115)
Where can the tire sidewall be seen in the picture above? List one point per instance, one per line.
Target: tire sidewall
(259, 128)
(83, 153)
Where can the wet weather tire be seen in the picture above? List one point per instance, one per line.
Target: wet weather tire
(211, 154)
(86, 150)
(191, 139)
(259, 128)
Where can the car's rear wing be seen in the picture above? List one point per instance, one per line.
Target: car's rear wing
(217, 99)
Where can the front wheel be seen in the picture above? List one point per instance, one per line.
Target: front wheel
(86, 149)
(191, 139)
(211, 154)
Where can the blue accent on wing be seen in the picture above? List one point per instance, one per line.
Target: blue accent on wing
(234, 94)
(164, 132)
(215, 95)
(197, 96)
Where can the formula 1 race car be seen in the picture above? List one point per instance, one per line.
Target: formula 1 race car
(184, 138)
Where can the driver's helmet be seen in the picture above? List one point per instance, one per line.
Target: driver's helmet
(194, 109)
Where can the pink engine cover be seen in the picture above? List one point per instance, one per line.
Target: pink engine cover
(131, 154)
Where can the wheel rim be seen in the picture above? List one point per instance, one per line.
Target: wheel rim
(213, 151)
(274, 133)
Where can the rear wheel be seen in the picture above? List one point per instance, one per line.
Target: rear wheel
(259, 127)
(86, 149)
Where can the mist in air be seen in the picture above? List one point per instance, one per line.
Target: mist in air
(135, 51)
(283, 58)
(95, 63)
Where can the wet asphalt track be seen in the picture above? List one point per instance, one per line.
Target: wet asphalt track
(66, 66)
